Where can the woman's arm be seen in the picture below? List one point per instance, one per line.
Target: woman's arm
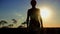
(41, 22)
(27, 18)
(40, 18)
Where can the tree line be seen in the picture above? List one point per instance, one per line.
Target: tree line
(3, 22)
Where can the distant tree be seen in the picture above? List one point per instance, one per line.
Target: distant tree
(2, 22)
(5, 27)
(10, 25)
(14, 21)
(24, 23)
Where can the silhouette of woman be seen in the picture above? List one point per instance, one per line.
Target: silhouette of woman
(34, 18)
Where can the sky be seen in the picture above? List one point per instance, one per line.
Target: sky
(17, 9)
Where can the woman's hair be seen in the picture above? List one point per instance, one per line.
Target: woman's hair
(33, 2)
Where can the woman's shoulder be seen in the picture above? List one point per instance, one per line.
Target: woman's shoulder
(37, 9)
(29, 9)
(34, 8)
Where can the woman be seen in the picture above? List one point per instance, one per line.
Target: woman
(34, 18)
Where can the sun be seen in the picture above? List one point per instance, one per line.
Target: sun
(45, 12)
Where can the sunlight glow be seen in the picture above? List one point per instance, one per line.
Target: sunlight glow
(45, 12)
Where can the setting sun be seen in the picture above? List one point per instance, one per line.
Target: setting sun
(45, 12)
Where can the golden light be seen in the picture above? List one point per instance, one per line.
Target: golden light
(45, 12)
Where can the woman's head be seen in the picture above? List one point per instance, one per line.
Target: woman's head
(33, 3)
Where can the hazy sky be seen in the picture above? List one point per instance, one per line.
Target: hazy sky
(17, 9)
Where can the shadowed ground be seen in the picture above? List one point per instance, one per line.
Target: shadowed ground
(24, 30)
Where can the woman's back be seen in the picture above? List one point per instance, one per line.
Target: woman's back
(34, 14)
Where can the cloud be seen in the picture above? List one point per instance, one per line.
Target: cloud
(18, 14)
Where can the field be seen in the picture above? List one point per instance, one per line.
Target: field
(24, 30)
